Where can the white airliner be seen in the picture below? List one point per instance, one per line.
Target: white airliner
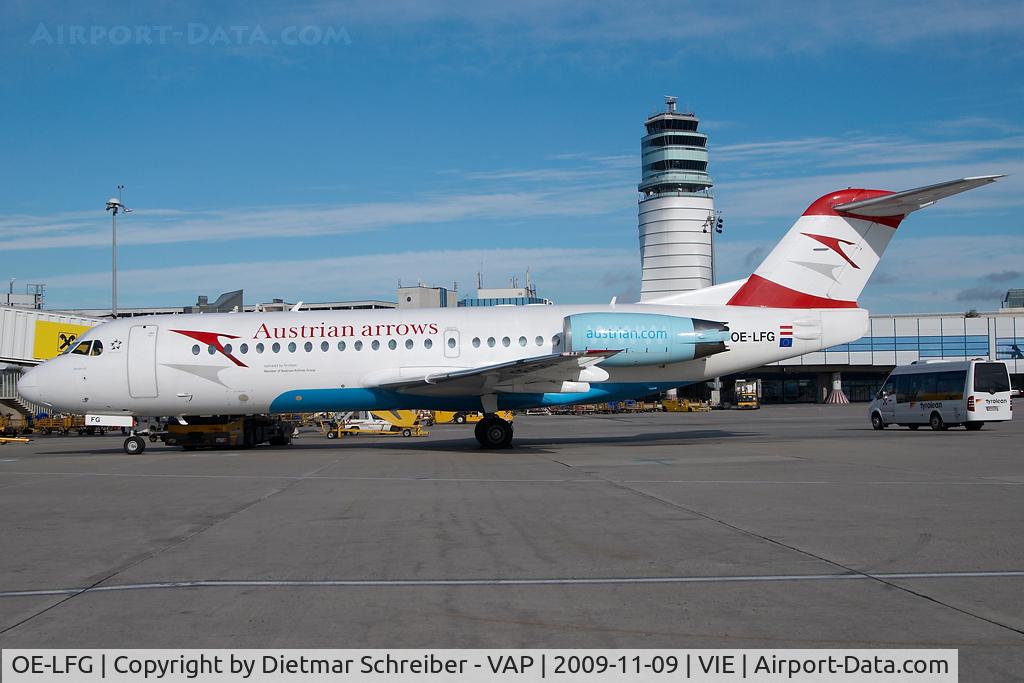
(802, 298)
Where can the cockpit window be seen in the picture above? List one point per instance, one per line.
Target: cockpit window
(82, 349)
(97, 348)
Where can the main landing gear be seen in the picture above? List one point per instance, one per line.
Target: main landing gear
(134, 445)
(494, 432)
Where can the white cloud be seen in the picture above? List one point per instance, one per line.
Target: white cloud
(165, 226)
(574, 274)
(787, 197)
(743, 28)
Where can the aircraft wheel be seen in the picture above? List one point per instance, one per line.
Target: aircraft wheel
(876, 421)
(936, 423)
(134, 445)
(493, 432)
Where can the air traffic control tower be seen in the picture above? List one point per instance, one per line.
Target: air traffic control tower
(677, 213)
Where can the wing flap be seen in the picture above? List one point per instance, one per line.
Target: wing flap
(509, 377)
(902, 203)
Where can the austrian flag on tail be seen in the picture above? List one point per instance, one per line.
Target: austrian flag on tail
(785, 336)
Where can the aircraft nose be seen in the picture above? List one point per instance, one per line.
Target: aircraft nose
(30, 385)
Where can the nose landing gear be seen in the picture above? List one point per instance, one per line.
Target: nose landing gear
(494, 432)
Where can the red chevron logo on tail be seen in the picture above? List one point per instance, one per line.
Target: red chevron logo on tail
(835, 244)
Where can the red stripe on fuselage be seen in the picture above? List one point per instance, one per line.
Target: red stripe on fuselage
(758, 291)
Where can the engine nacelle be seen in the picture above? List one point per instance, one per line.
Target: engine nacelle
(645, 338)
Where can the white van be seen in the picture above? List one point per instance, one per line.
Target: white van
(944, 394)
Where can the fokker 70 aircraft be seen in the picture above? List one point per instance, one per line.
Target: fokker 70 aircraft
(802, 298)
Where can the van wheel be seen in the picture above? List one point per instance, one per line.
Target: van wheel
(936, 423)
(913, 427)
(876, 421)
(974, 426)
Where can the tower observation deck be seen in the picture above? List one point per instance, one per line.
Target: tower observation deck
(677, 212)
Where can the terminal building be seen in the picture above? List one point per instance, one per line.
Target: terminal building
(861, 366)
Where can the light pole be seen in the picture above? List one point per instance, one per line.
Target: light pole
(114, 205)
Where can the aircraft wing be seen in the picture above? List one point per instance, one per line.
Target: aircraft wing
(527, 375)
(902, 203)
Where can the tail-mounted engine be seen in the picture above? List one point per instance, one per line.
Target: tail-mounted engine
(645, 338)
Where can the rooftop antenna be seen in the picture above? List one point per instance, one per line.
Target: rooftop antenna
(114, 205)
(671, 102)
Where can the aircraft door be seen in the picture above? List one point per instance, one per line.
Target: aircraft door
(142, 361)
(451, 343)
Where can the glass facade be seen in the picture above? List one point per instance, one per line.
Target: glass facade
(1009, 348)
(504, 301)
(898, 340)
(928, 346)
(892, 341)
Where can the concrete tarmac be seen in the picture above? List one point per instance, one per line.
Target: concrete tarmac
(791, 526)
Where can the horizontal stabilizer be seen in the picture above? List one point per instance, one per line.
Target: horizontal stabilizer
(902, 203)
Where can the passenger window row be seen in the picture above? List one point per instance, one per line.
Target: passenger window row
(308, 347)
(293, 347)
(507, 341)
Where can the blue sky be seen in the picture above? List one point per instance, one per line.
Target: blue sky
(323, 151)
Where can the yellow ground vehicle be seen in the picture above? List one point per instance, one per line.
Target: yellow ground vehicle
(747, 392)
(464, 416)
(378, 423)
(14, 424)
(228, 431)
(60, 424)
(684, 406)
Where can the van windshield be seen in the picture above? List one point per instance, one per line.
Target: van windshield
(991, 378)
